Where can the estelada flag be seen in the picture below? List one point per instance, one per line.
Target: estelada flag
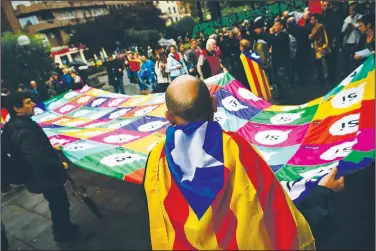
(210, 189)
(257, 80)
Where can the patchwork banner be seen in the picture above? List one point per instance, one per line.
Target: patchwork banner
(112, 134)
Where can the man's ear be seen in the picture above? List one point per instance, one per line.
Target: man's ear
(170, 118)
(214, 103)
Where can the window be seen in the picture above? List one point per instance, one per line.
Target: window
(156, 2)
(174, 10)
(28, 21)
(169, 10)
(68, 14)
(176, 19)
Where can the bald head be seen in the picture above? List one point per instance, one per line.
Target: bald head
(188, 98)
(211, 44)
(245, 45)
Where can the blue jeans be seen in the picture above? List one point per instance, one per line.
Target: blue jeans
(141, 83)
(152, 81)
(121, 86)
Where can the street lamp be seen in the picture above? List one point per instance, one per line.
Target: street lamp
(23, 40)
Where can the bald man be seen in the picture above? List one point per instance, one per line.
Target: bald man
(209, 63)
(210, 189)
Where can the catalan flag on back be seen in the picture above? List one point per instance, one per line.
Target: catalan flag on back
(209, 189)
(257, 80)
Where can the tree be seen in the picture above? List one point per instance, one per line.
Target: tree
(105, 31)
(22, 64)
(186, 24)
(141, 38)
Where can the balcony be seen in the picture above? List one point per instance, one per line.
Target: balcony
(52, 24)
(22, 9)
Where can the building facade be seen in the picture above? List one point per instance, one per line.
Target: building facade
(172, 11)
(53, 20)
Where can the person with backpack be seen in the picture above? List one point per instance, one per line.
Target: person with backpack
(29, 158)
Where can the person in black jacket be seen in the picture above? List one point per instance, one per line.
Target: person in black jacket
(303, 51)
(44, 172)
(115, 74)
(280, 42)
(332, 22)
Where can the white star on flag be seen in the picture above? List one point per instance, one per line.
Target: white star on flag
(189, 153)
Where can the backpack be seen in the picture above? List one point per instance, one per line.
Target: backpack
(292, 43)
(13, 169)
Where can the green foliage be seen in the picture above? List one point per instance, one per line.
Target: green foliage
(186, 24)
(106, 30)
(21, 64)
(141, 38)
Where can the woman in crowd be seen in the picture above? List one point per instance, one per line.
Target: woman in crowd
(367, 38)
(162, 76)
(175, 64)
(187, 64)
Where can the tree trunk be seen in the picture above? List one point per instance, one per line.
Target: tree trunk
(199, 11)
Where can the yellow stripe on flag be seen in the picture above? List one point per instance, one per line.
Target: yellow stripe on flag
(260, 81)
(161, 231)
(200, 232)
(248, 73)
(251, 232)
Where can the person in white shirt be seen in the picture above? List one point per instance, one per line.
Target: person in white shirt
(351, 37)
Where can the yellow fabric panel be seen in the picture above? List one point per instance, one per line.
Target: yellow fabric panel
(157, 185)
(248, 73)
(251, 233)
(261, 83)
(200, 233)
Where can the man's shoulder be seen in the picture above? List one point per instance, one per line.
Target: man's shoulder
(19, 127)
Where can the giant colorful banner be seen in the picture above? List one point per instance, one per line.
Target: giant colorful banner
(112, 134)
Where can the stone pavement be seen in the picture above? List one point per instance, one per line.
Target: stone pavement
(28, 224)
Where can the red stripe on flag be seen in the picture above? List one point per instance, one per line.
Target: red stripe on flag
(178, 211)
(224, 220)
(265, 83)
(277, 215)
(254, 76)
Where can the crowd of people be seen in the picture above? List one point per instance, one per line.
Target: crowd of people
(292, 49)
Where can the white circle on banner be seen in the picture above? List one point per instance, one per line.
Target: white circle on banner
(144, 111)
(66, 108)
(272, 137)
(120, 138)
(232, 104)
(341, 150)
(75, 147)
(98, 101)
(285, 118)
(220, 117)
(346, 125)
(348, 97)
(120, 159)
(119, 113)
(37, 111)
(151, 126)
(246, 94)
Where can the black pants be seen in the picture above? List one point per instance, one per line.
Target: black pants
(59, 207)
(331, 60)
(348, 60)
(281, 78)
(319, 70)
(304, 68)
